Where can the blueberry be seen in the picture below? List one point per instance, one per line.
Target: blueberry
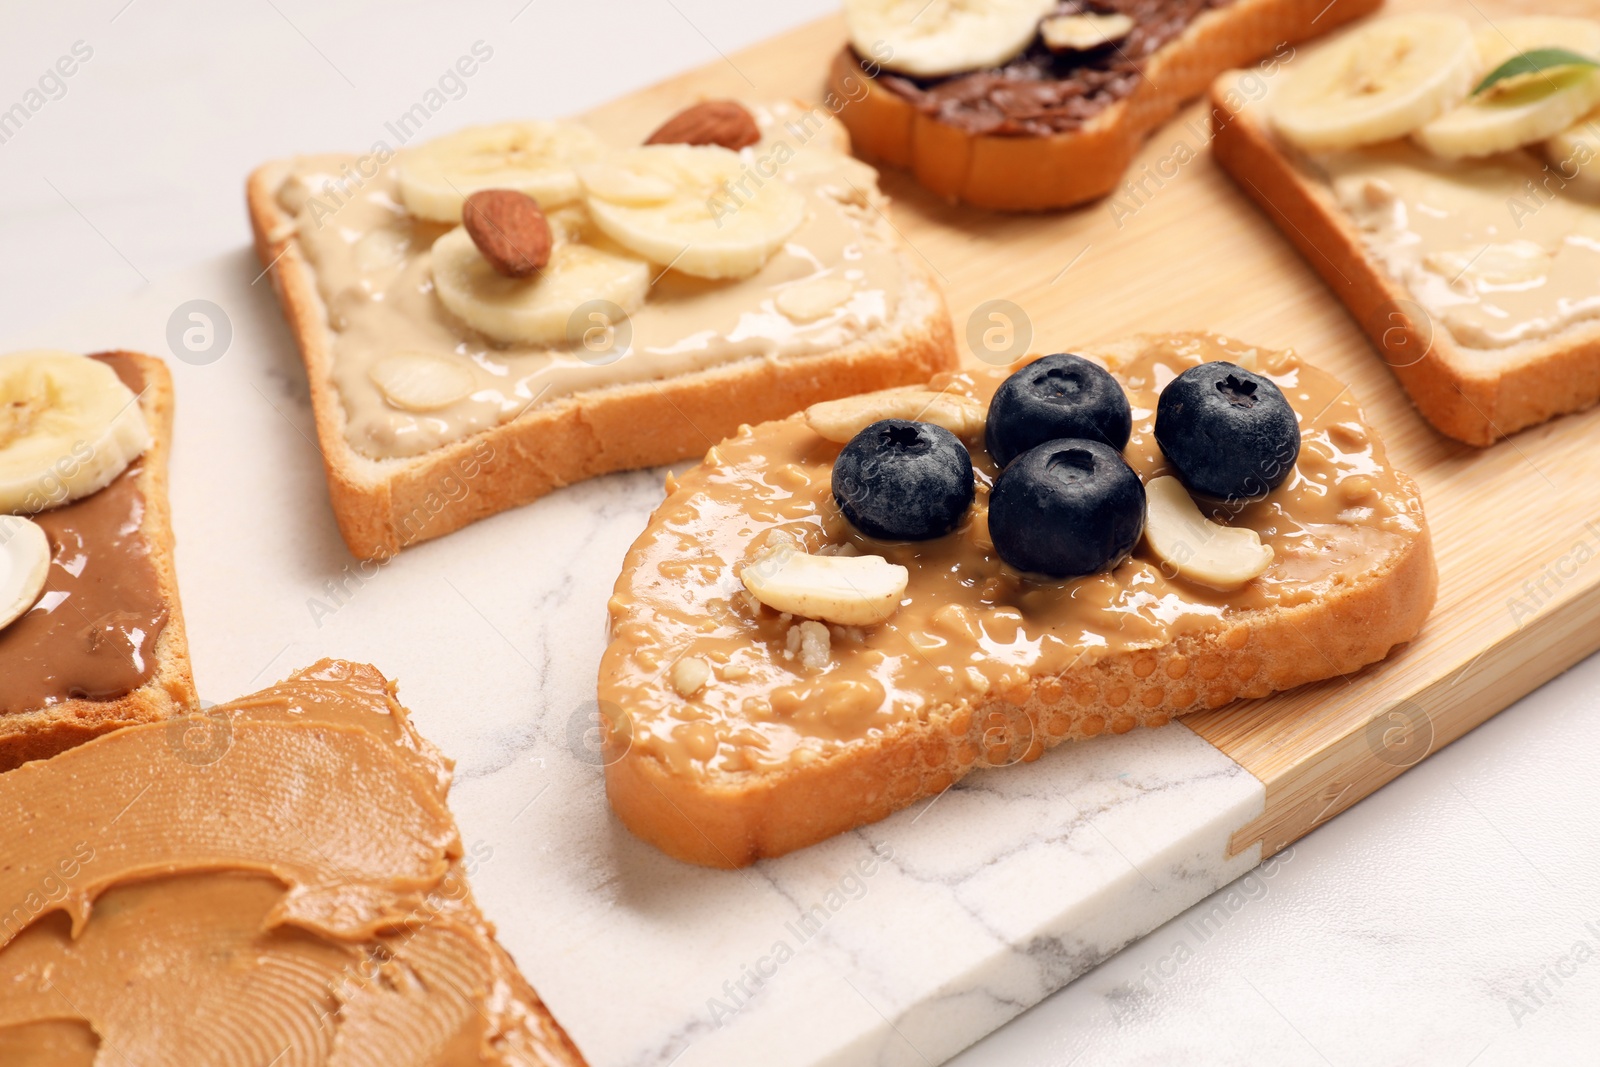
(1229, 434)
(903, 481)
(1067, 508)
(1056, 397)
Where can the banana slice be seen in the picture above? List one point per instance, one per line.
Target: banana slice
(696, 208)
(68, 427)
(24, 565)
(536, 158)
(1378, 83)
(1223, 557)
(1523, 110)
(1575, 153)
(847, 590)
(931, 38)
(536, 310)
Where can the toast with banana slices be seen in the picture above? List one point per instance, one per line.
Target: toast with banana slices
(91, 629)
(1454, 209)
(508, 309)
(1027, 105)
(844, 611)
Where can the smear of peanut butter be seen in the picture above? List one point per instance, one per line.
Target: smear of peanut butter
(272, 881)
(1498, 265)
(969, 625)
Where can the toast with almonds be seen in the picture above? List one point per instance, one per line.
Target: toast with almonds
(1043, 126)
(103, 644)
(628, 346)
(1462, 244)
(734, 730)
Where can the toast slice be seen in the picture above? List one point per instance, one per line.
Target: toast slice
(1475, 395)
(385, 504)
(279, 874)
(1038, 171)
(65, 720)
(733, 732)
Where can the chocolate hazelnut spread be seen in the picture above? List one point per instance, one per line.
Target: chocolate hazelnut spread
(1041, 92)
(783, 692)
(276, 881)
(93, 633)
(374, 274)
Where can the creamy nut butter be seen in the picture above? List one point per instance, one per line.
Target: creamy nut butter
(93, 633)
(1493, 249)
(374, 274)
(784, 691)
(276, 881)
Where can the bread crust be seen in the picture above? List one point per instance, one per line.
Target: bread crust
(734, 821)
(383, 506)
(1527, 384)
(42, 733)
(1020, 173)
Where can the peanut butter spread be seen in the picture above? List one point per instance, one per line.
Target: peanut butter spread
(1493, 249)
(93, 633)
(1040, 92)
(276, 881)
(785, 691)
(374, 274)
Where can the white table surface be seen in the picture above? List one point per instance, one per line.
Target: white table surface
(1453, 918)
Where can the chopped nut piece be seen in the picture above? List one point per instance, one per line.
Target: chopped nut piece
(849, 590)
(841, 420)
(1223, 557)
(815, 645)
(808, 301)
(689, 675)
(1080, 33)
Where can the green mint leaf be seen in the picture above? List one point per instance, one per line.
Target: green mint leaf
(1532, 63)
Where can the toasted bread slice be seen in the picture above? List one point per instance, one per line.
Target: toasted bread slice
(41, 732)
(1473, 395)
(784, 733)
(265, 914)
(385, 504)
(1032, 173)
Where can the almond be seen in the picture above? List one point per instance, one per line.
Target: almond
(509, 230)
(718, 122)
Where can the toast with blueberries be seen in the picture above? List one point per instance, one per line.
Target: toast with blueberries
(841, 612)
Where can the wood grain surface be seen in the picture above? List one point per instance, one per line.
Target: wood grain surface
(1516, 526)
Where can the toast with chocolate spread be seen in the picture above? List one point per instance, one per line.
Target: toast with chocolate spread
(1474, 276)
(1054, 115)
(844, 611)
(594, 308)
(99, 643)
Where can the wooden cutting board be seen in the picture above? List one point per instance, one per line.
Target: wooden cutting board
(1516, 527)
